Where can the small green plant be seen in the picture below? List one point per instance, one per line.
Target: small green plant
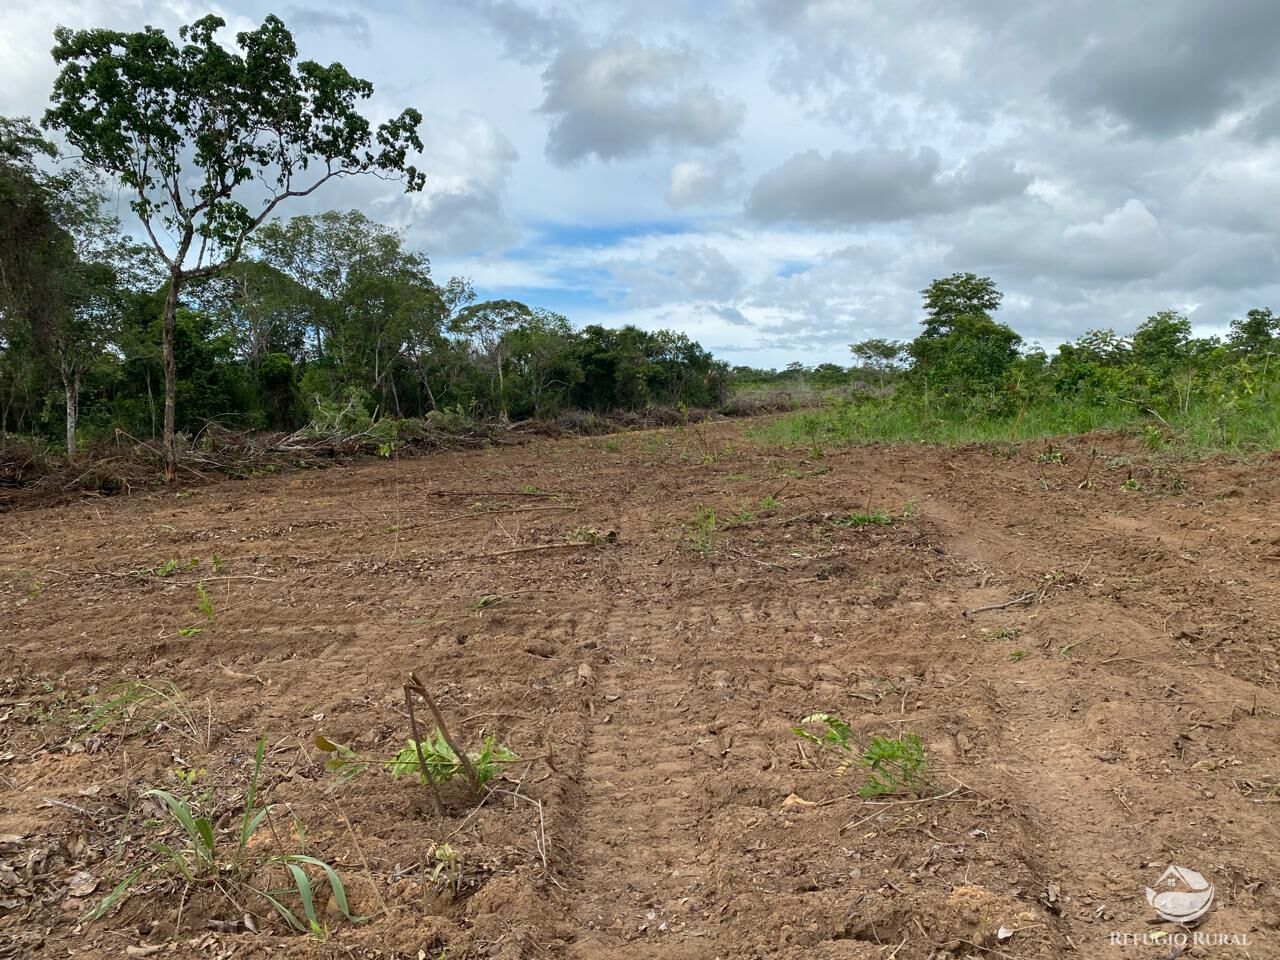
(1017, 655)
(871, 518)
(203, 603)
(442, 764)
(164, 569)
(204, 854)
(1050, 454)
(146, 704)
(448, 868)
(530, 489)
(490, 600)
(1001, 633)
(190, 631)
(742, 516)
(893, 765)
(701, 534)
(1130, 485)
(216, 562)
(767, 503)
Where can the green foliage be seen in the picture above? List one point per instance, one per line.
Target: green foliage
(867, 519)
(701, 534)
(204, 854)
(203, 603)
(893, 765)
(442, 764)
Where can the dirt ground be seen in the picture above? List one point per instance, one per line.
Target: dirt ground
(573, 599)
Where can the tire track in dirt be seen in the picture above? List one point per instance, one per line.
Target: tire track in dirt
(1070, 746)
(640, 865)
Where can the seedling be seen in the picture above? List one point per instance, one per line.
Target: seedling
(894, 765)
(1050, 454)
(1131, 485)
(441, 764)
(203, 603)
(206, 855)
(1001, 633)
(872, 518)
(1017, 655)
(767, 503)
(701, 534)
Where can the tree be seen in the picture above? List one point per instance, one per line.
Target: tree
(961, 349)
(542, 355)
(959, 295)
(489, 322)
(1258, 330)
(1160, 342)
(192, 130)
(59, 256)
(879, 355)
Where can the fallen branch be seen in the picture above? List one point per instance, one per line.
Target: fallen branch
(1025, 598)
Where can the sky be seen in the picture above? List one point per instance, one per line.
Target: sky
(780, 178)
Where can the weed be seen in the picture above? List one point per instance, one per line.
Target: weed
(701, 534)
(206, 855)
(767, 503)
(1131, 485)
(530, 488)
(1017, 655)
(149, 704)
(190, 631)
(894, 764)
(871, 518)
(490, 600)
(164, 569)
(216, 562)
(742, 516)
(1001, 633)
(1050, 454)
(441, 763)
(736, 478)
(203, 603)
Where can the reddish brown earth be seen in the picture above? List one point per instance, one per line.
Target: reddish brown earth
(1122, 718)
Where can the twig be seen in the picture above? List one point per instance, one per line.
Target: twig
(458, 518)
(436, 802)
(1025, 598)
(420, 689)
(507, 553)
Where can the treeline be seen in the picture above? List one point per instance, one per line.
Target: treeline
(966, 363)
(328, 308)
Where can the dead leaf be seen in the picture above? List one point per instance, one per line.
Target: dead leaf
(82, 883)
(148, 951)
(797, 801)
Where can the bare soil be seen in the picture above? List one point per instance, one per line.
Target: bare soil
(1122, 716)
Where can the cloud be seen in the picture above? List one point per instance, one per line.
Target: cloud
(528, 36)
(693, 271)
(621, 98)
(698, 182)
(877, 185)
(352, 27)
(462, 209)
(1174, 67)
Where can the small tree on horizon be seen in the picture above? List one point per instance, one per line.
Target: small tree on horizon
(192, 130)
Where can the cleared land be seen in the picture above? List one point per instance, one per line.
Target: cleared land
(1123, 715)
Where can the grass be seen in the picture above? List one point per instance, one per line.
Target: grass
(892, 765)
(1202, 429)
(201, 850)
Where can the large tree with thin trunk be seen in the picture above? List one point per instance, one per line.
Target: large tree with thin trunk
(209, 141)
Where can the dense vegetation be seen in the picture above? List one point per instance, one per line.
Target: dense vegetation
(969, 377)
(228, 313)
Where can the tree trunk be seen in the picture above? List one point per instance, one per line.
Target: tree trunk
(71, 383)
(170, 380)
